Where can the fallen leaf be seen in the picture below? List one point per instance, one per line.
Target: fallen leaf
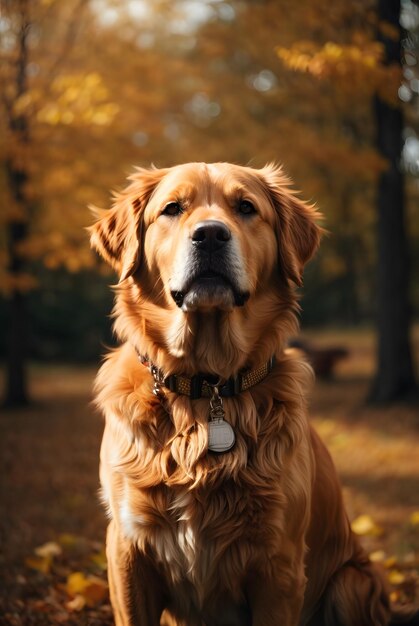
(76, 604)
(91, 588)
(49, 549)
(365, 525)
(378, 556)
(395, 577)
(76, 583)
(414, 518)
(39, 563)
(394, 596)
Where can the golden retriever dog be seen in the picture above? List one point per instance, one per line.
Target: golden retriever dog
(224, 505)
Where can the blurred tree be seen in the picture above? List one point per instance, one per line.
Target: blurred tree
(369, 65)
(43, 101)
(17, 227)
(394, 378)
(23, 103)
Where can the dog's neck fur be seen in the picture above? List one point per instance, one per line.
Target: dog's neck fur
(214, 342)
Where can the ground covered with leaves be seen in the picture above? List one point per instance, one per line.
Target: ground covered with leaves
(52, 527)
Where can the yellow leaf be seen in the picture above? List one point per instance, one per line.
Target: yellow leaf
(414, 518)
(40, 564)
(76, 583)
(91, 588)
(67, 117)
(50, 114)
(93, 79)
(378, 556)
(49, 549)
(395, 577)
(76, 604)
(365, 525)
(394, 596)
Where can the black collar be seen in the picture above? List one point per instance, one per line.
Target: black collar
(201, 385)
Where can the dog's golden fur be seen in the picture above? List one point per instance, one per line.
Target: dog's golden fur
(257, 535)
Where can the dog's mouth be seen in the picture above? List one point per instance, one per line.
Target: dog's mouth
(209, 289)
(214, 276)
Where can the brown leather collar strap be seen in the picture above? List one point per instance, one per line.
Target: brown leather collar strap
(201, 385)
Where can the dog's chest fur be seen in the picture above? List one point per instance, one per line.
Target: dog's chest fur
(188, 533)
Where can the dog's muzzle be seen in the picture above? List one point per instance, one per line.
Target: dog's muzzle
(211, 272)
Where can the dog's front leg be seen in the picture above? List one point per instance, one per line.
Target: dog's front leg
(276, 594)
(136, 590)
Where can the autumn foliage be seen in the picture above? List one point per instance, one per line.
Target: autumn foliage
(107, 86)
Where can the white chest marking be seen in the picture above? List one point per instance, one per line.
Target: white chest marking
(130, 523)
(175, 545)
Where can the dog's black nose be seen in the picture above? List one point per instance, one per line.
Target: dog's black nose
(210, 235)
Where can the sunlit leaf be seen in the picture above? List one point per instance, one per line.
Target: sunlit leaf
(395, 596)
(76, 604)
(76, 583)
(365, 525)
(49, 549)
(378, 556)
(91, 588)
(395, 577)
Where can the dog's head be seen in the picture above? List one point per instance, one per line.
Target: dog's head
(201, 239)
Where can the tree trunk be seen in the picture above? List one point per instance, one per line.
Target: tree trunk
(17, 231)
(394, 379)
(16, 380)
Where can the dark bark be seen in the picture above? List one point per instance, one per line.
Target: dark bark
(348, 251)
(17, 231)
(16, 380)
(394, 379)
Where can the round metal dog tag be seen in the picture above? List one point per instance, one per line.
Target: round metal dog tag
(221, 436)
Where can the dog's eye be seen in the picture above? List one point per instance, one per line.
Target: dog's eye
(246, 207)
(173, 208)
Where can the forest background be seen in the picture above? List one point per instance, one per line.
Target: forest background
(90, 88)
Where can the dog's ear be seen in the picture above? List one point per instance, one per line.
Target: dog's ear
(297, 231)
(118, 232)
